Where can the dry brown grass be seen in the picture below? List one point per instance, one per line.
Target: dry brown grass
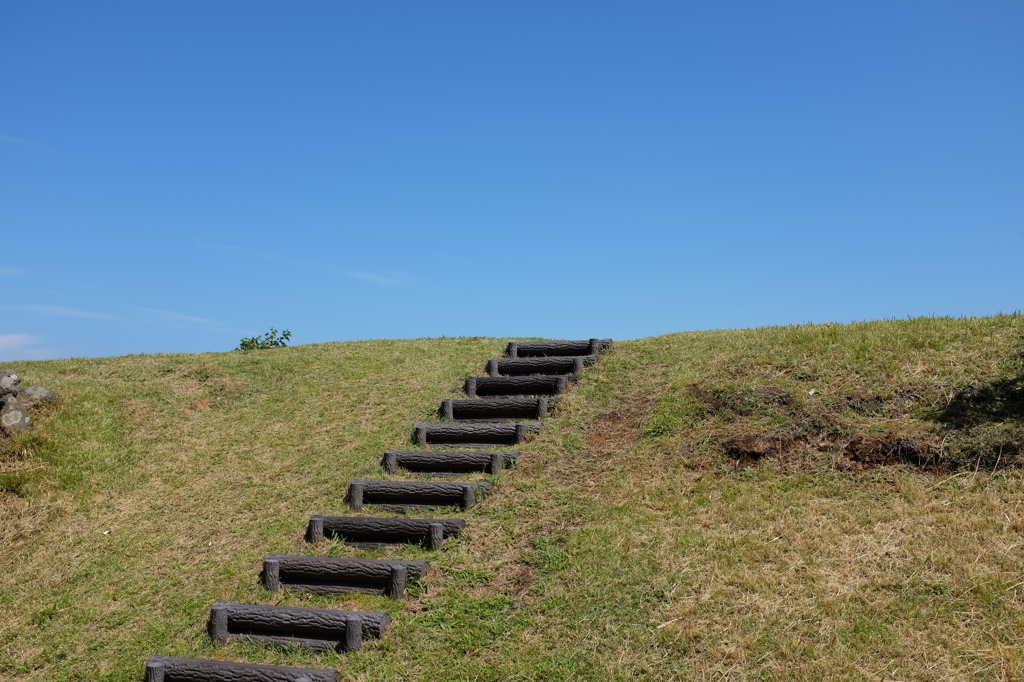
(632, 542)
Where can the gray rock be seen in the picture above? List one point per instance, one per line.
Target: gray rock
(36, 394)
(14, 418)
(8, 382)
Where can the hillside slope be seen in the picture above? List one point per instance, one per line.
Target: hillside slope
(786, 503)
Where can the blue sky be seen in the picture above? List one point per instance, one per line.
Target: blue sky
(177, 175)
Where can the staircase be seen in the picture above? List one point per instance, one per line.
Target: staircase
(501, 410)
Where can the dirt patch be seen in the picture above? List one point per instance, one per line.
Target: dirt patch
(614, 432)
(752, 418)
(750, 448)
(887, 449)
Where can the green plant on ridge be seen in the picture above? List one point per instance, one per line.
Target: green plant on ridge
(269, 340)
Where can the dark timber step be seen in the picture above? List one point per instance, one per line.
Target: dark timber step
(317, 629)
(403, 495)
(547, 349)
(369, 532)
(524, 385)
(481, 435)
(446, 463)
(327, 575)
(525, 366)
(497, 408)
(171, 669)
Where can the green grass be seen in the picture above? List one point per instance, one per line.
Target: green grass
(693, 511)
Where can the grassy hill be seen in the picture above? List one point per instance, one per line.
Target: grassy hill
(804, 502)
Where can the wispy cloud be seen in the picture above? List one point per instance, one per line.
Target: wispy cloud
(169, 317)
(392, 280)
(16, 140)
(389, 279)
(61, 311)
(23, 347)
(9, 272)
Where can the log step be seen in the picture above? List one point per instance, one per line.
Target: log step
(526, 366)
(316, 629)
(448, 463)
(497, 408)
(479, 387)
(370, 532)
(479, 435)
(403, 495)
(548, 349)
(173, 669)
(327, 575)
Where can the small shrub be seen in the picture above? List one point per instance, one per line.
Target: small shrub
(269, 340)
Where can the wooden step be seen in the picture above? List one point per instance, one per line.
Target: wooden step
(490, 409)
(329, 575)
(448, 463)
(526, 366)
(173, 669)
(474, 435)
(361, 531)
(483, 387)
(316, 629)
(406, 495)
(548, 349)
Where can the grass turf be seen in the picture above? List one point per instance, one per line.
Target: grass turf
(788, 503)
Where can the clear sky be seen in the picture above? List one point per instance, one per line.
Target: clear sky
(177, 175)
